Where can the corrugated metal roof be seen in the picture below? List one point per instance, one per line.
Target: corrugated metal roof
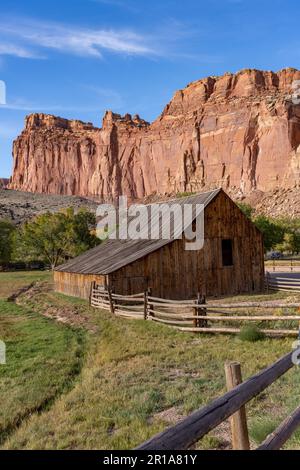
(112, 255)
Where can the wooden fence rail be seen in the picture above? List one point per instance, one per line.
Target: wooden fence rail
(191, 429)
(194, 315)
(284, 431)
(288, 284)
(283, 264)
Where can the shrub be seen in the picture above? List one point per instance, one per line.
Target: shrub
(251, 333)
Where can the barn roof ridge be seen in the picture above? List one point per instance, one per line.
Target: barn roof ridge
(112, 255)
(176, 199)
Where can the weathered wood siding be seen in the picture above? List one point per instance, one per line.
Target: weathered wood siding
(76, 285)
(173, 272)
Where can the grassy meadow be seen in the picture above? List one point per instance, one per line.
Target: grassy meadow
(78, 378)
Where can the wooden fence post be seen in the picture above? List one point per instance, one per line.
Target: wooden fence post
(267, 281)
(202, 300)
(111, 303)
(201, 323)
(238, 421)
(195, 322)
(145, 304)
(93, 285)
(149, 305)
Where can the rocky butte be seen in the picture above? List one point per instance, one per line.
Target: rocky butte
(239, 131)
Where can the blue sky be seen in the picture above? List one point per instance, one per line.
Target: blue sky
(78, 58)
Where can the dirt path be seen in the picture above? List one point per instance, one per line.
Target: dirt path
(41, 298)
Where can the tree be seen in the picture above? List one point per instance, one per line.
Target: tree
(246, 209)
(288, 244)
(272, 231)
(54, 238)
(7, 230)
(84, 224)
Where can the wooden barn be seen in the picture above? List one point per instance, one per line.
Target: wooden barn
(230, 262)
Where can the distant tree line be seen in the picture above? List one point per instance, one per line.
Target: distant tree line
(280, 234)
(50, 238)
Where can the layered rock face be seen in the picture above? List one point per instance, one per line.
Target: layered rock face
(3, 182)
(239, 131)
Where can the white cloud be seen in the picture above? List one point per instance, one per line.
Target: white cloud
(71, 39)
(16, 50)
(97, 99)
(36, 108)
(28, 38)
(55, 108)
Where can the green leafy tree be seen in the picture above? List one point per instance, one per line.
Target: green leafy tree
(7, 230)
(246, 209)
(84, 223)
(288, 244)
(297, 242)
(272, 231)
(54, 238)
(290, 241)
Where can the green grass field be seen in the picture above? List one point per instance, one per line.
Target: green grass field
(12, 281)
(110, 383)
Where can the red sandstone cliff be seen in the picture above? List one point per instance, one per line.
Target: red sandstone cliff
(241, 132)
(3, 182)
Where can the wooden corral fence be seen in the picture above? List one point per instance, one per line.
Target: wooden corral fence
(196, 315)
(283, 265)
(282, 283)
(231, 405)
(130, 306)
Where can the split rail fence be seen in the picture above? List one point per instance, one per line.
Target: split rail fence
(283, 265)
(197, 315)
(231, 405)
(282, 283)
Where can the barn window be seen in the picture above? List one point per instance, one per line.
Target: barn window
(227, 258)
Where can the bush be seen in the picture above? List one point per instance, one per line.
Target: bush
(251, 333)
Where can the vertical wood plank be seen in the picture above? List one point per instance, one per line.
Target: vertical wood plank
(111, 303)
(145, 304)
(203, 311)
(93, 285)
(238, 421)
(150, 306)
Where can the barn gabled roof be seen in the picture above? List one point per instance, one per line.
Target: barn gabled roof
(112, 255)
